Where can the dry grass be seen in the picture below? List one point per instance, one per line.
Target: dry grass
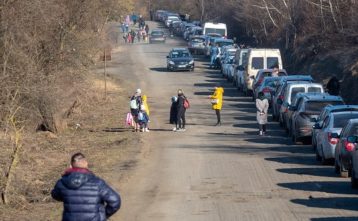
(101, 136)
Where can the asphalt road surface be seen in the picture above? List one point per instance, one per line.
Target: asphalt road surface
(225, 173)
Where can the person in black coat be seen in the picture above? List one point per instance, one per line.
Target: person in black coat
(85, 196)
(333, 86)
(173, 111)
(180, 126)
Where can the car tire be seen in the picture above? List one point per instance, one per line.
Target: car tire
(354, 181)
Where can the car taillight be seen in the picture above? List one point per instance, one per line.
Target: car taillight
(349, 146)
(260, 80)
(332, 140)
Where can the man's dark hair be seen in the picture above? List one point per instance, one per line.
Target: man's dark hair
(77, 157)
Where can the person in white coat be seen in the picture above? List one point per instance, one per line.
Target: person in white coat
(262, 106)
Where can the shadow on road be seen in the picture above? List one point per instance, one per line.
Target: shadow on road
(159, 69)
(300, 160)
(335, 219)
(336, 187)
(345, 203)
(311, 171)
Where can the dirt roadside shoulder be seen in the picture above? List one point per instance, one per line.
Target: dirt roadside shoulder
(97, 128)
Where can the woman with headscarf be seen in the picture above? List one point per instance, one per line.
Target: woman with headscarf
(262, 106)
(173, 111)
(145, 110)
(217, 102)
(180, 126)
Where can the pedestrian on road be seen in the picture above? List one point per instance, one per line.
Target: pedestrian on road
(147, 28)
(275, 72)
(135, 107)
(262, 106)
(334, 86)
(145, 109)
(214, 51)
(180, 126)
(217, 102)
(173, 111)
(139, 35)
(133, 34)
(84, 195)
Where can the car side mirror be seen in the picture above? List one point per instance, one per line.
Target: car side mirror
(352, 139)
(317, 126)
(335, 135)
(167, 56)
(313, 120)
(280, 101)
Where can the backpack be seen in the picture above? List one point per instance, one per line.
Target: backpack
(186, 103)
(133, 104)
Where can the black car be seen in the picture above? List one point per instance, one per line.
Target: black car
(180, 59)
(157, 36)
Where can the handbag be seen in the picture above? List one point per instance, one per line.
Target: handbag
(186, 104)
(214, 101)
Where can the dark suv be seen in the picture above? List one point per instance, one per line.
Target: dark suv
(308, 108)
(180, 59)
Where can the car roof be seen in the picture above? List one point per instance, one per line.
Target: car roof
(322, 96)
(223, 40)
(271, 70)
(303, 83)
(343, 107)
(353, 121)
(271, 78)
(297, 77)
(180, 49)
(343, 113)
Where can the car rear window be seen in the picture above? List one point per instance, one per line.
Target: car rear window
(216, 31)
(272, 62)
(315, 90)
(317, 106)
(271, 83)
(257, 63)
(296, 90)
(197, 40)
(353, 130)
(224, 43)
(157, 33)
(341, 120)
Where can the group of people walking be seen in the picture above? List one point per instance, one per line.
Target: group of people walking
(141, 34)
(138, 117)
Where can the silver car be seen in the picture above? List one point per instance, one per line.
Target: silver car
(332, 124)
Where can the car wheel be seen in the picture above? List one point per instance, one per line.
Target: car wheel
(354, 181)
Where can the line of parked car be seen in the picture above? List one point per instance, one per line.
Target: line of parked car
(300, 105)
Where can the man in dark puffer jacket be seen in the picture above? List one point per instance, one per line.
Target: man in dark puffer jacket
(85, 197)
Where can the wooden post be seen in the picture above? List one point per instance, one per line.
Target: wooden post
(105, 74)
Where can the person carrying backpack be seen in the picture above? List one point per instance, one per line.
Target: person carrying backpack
(182, 105)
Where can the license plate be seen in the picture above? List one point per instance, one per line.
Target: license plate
(182, 66)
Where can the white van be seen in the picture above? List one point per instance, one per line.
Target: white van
(240, 59)
(217, 28)
(257, 59)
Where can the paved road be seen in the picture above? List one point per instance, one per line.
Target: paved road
(222, 173)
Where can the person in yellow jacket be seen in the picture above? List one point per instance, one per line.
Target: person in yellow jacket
(145, 110)
(217, 102)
